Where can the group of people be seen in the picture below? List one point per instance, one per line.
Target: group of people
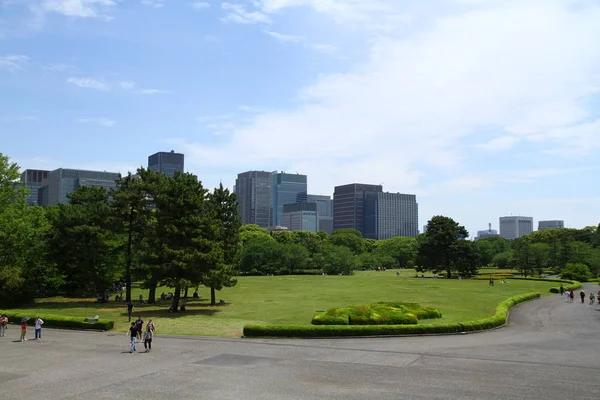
(137, 332)
(570, 296)
(38, 322)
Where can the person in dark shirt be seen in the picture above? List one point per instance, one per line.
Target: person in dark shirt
(139, 326)
(132, 333)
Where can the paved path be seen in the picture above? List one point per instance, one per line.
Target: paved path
(550, 350)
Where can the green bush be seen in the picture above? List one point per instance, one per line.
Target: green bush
(382, 313)
(57, 321)
(311, 331)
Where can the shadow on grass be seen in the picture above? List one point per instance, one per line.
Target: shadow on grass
(166, 314)
(85, 303)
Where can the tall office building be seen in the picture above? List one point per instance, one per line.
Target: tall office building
(166, 162)
(324, 211)
(287, 189)
(348, 205)
(488, 233)
(34, 179)
(389, 215)
(64, 181)
(255, 197)
(300, 217)
(515, 227)
(554, 224)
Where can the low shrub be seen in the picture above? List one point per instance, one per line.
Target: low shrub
(58, 321)
(382, 313)
(311, 331)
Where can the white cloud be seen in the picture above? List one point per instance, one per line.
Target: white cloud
(153, 3)
(200, 5)
(282, 37)
(152, 91)
(237, 13)
(108, 123)
(13, 62)
(499, 143)
(88, 83)
(525, 70)
(78, 8)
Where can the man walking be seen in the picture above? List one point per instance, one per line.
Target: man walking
(38, 328)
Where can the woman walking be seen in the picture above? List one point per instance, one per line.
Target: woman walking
(148, 335)
(38, 328)
(24, 329)
(132, 333)
(3, 324)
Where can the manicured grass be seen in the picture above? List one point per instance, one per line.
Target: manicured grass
(295, 299)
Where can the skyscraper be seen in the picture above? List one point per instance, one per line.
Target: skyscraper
(300, 217)
(166, 162)
(324, 211)
(515, 227)
(389, 215)
(34, 179)
(287, 189)
(553, 224)
(255, 197)
(348, 205)
(64, 181)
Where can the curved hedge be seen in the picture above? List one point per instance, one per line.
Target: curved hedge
(58, 321)
(313, 331)
(571, 285)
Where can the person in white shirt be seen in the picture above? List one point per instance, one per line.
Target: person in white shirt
(38, 328)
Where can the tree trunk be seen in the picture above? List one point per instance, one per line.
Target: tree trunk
(152, 292)
(176, 297)
(185, 295)
(213, 297)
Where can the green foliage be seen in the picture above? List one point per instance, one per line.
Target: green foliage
(576, 272)
(382, 313)
(301, 331)
(58, 321)
(349, 238)
(338, 260)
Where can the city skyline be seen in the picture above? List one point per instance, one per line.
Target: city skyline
(463, 103)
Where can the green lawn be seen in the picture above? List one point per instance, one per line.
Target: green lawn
(295, 299)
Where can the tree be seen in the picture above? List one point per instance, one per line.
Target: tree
(83, 243)
(226, 225)
(350, 238)
(294, 257)
(502, 260)
(438, 249)
(261, 256)
(576, 272)
(402, 250)
(338, 260)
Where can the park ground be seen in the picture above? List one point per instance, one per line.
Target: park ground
(295, 299)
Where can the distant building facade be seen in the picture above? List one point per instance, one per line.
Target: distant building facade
(166, 163)
(34, 179)
(515, 227)
(63, 181)
(388, 215)
(348, 205)
(287, 189)
(254, 190)
(554, 224)
(324, 211)
(486, 234)
(300, 216)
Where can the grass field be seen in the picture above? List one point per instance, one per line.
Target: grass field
(295, 299)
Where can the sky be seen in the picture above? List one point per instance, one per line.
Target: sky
(482, 108)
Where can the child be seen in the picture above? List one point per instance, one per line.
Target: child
(132, 332)
(592, 298)
(148, 335)
(3, 324)
(23, 330)
(38, 328)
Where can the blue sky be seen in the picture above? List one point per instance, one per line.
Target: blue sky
(480, 108)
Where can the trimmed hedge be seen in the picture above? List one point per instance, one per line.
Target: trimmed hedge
(58, 321)
(381, 313)
(312, 331)
(571, 285)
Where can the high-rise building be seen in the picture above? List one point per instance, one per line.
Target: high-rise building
(300, 217)
(515, 227)
(63, 181)
(487, 233)
(554, 224)
(389, 215)
(348, 205)
(324, 211)
(34, 179)
(166, 162)
(255, 197)
(287, 189)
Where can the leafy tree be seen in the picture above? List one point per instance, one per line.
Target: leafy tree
(438, 249)
(350, 238)
(503, 259)
(465, 260)
(295, 257)
(226, 237)
(338, 260)
(401, 250)
(577, 272)
(261, 255)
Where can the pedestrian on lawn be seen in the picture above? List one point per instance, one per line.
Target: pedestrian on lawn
(139, 326)
(3, 324)
(562, 289)
(129, 309)
(38, 328)
(132, 332)
(148, 335)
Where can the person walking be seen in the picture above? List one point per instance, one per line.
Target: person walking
(150, 324)
(582, 295)
(24, 329)
(3, 324)
(561, 289)
(572, 295)
(148, 335)
(132, 334)
(568, 296)
(139, 325)
(592, 298)
(38, 328)
(129, 310)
